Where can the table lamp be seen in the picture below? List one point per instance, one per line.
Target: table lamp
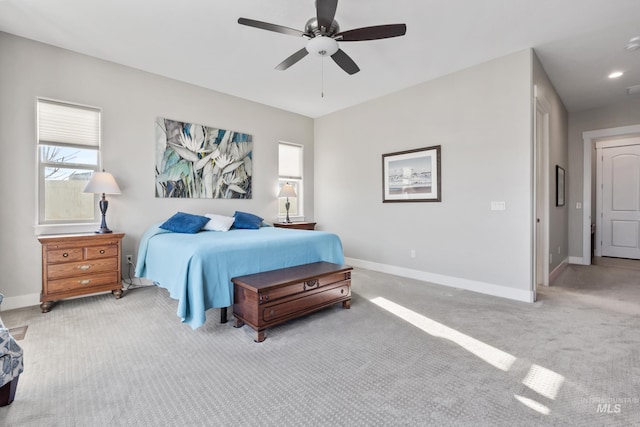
(102, 182)
(287, 191)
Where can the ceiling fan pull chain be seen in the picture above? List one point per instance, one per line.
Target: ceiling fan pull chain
(322, 77)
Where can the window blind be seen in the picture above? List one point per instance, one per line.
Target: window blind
(68, 124)
(290, 161)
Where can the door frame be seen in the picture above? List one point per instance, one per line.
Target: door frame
(600, 145)
(589, 138)
(539, 254)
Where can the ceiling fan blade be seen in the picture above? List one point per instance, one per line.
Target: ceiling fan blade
(345, 62)
(270, 27)
(325, 12)
(292, 59)
(372, 33)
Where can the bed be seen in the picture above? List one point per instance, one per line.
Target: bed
(197, 268)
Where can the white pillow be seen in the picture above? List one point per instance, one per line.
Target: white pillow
(218, 222)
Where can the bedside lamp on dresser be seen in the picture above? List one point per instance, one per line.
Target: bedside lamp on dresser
(287, 191)
(102, 182)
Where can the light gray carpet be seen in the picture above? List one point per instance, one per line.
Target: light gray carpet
(465, 360)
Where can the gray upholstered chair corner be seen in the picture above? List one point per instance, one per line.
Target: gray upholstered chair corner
(11, 364)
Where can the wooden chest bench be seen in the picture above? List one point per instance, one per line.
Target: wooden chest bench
(266, 299)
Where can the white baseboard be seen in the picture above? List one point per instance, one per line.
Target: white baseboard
(11, 303)
(577, 260)
(454, 282)
(556, 271)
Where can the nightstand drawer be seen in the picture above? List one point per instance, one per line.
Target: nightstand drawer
(87, 281)
(94, 252)
(64, 255)
(70, 269)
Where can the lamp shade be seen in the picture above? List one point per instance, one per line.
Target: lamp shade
(287, 190)
(102, 182)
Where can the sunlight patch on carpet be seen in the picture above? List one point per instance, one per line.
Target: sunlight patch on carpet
(489, 354)
(543, 381)
(536, 406)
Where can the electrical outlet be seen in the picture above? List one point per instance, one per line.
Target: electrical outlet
(413, 253)
(129, 259)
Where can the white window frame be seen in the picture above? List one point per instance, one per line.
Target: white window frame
(298, 180)
(43, 226)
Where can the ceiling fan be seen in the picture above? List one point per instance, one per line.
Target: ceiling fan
(324, 34)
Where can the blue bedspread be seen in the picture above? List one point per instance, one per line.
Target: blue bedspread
(197, 269)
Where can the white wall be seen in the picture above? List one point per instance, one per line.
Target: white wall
(482, 118)
(621, 114)
(130, 100)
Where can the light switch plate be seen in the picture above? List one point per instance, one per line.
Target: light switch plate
(498, 206)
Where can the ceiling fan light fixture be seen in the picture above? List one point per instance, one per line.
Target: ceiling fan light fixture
(324, 33)
(322, 46)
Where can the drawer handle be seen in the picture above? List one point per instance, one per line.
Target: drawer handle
(311, 284)
(101, 251)
(84, 267)
(85, 281)
(64, 255)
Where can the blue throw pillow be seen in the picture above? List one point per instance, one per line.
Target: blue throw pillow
(185, 223)
(246, 220)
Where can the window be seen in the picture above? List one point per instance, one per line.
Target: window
(68, 153)
(290, 170)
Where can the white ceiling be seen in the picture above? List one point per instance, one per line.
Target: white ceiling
(199, 41)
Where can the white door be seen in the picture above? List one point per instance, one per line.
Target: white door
(621, 202)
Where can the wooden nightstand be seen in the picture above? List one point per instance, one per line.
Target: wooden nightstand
(80, 264)
(297, 225)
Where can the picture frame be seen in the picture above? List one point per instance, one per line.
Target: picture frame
(412, 175)
(560, 185)
(202, 162)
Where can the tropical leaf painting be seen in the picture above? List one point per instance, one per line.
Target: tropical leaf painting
(196, 161)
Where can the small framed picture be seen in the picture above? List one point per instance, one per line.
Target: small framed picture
(559, 186)
(412, 176)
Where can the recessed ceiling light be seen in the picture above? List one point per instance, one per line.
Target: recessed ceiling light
(615, 74)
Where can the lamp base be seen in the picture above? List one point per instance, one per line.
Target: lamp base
(104, 204)
(287, 205)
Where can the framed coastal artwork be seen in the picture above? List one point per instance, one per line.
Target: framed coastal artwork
(412, 175)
